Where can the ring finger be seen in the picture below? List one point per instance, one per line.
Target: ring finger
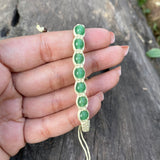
(40, 106)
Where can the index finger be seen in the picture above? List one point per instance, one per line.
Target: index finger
(23, 53)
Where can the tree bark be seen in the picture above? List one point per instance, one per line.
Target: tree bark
(127, 126)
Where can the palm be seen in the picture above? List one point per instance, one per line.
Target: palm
(37, 86)
(11, 118)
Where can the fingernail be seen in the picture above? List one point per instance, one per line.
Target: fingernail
(125, 49)
(112, 37)
(119, 71)
(100, 95)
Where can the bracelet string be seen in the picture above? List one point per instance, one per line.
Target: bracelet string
(80, 86)
(84, 146)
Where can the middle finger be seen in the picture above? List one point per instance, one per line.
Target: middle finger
(56, 75)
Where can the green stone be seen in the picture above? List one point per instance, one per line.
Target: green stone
(82, 101)
(84, 115)
(78, 58)
(79, 29)
(80, 87)
(79, 72)
(79, 44)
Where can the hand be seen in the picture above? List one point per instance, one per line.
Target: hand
(37, 98)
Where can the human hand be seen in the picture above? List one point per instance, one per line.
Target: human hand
(37, 98)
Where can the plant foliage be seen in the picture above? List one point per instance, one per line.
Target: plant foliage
(153, 53)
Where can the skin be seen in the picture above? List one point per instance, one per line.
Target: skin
(37, 98)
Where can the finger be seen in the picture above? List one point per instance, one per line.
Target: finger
(4, 155)
(35, 107)
(56, 75)
(37, 130)
(23, 53)
(12, 138)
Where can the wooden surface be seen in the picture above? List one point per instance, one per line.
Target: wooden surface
(128, 125)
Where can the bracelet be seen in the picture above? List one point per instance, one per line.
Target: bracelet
(80, 85)
(79, 76)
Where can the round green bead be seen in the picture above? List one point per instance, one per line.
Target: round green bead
(79, 29)
(78, 58)
(82, 101)
(79, 72)
(84, 115)
(80, 87)
(79, 44)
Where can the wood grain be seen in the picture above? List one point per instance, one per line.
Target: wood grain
(128, 125)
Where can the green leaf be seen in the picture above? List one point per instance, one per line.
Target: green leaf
(141, 2)
(146, 11)
(153, 53)
(155, 26)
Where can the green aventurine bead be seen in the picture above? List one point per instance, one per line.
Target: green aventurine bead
(78, 58)
(82, 101)
(79, 29)
(79, 72)
(84, 115)
(80, 87)
(79, 44)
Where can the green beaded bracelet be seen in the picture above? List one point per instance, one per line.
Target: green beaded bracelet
(80, 85)
(79, 76)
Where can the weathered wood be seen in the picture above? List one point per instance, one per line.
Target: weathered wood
(127, 127)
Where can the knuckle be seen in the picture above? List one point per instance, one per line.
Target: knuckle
(45, 132)
(94, 64)
(44, 49)
(60, 79)
(55, 103)
(56, 79)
